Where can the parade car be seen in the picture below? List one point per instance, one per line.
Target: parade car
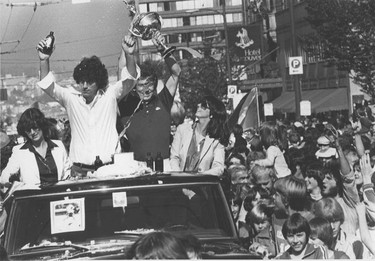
(101, 218)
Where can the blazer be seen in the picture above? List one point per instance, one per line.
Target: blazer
(212, 155)
(24, 162)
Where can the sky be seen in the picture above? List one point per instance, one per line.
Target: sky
(85, 29)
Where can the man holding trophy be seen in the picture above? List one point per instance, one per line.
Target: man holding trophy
(145, 114)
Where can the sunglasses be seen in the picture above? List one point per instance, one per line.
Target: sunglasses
(35, 129)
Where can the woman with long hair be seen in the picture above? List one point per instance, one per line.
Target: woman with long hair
(199, 147)
(39, 160)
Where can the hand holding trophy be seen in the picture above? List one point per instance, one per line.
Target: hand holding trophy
(145, 27)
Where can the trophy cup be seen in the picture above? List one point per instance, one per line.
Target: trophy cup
(145, 25)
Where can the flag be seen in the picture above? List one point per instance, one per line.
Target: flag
(247, 111)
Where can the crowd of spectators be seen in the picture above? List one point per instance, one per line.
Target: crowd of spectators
(309, 192)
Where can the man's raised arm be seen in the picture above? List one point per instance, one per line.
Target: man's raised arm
(47, 84)
(172, 65)
(128, 71)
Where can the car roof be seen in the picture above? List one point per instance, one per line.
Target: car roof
(177, 178)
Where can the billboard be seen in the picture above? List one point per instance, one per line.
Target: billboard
(245, 42)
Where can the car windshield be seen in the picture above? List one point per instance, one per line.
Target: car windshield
(90, 218)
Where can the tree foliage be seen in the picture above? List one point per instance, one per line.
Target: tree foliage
(201, 76)
(345, 31)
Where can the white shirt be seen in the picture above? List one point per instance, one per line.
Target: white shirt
(93, 126)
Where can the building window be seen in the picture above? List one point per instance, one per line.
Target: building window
(186, 21)
(237, 17)
(235, 2)
(172, 22)
(153, 7)
(193, 20)
(186, 5)
(143, 8)
(218, 19)
(166, 6)
(196, 37)
(160, 7)
(146, 43)
(173, 38)
(172, 6)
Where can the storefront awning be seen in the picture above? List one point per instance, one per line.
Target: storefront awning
(321, 100)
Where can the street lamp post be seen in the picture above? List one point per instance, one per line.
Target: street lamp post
(229, 69)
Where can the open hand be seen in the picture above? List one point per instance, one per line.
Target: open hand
(366, 169)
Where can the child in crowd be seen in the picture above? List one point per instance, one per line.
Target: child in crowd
(331, 210)
(314, 181)
(296, 230)
(322, 235)
(269, 135)
(261, 235)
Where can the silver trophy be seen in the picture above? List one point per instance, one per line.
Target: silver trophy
(145, 25)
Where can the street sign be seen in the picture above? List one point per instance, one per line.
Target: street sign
(232, 90)
(295, 65)
(268, 109)
(305, 108)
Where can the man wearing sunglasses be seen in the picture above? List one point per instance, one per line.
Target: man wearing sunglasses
(145, 113)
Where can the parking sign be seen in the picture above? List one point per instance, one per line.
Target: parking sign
(295, 65)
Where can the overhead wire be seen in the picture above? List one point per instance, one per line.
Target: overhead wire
(7, 25)
(27, 28)
(20, 61)
(62, 43)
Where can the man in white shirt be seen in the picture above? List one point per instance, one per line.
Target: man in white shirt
(92, 109)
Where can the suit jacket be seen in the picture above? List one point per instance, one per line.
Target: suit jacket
(24, 162)
(212, 155)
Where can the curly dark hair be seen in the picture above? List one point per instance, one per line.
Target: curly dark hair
(91, 70)
(32, 118)
(149, 69)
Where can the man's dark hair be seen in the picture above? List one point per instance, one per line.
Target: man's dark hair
(149, 69)
(91, 70)
(295, 224)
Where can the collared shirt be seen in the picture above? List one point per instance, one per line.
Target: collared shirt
(149, 129)
(311, 252)
(47, 166)
(93, 126)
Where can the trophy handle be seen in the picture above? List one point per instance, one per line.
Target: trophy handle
(133, 33)
(167, 51)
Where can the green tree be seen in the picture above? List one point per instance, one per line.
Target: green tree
(345, 37)
(201, 76)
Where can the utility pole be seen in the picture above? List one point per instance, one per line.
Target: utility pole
(295, 78)
(229, 68)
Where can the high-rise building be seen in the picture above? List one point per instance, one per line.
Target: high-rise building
(191, 23)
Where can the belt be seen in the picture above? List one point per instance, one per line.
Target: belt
(86, 166)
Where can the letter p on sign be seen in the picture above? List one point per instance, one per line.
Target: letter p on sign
(295, 65)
